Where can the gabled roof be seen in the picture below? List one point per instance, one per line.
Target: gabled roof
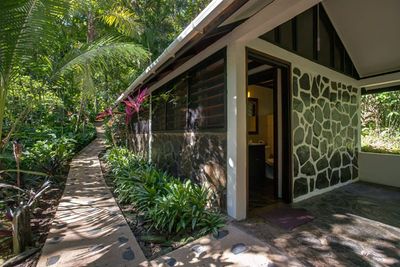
(368, 29)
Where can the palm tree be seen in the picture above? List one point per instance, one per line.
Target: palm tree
(26, 25)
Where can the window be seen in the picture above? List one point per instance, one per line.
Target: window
(158, 114)
(348, 65)
(176, 105)
(325, 40)
(193, 101)
(380, 121)
(207, 97)
(270, 36)
(338, 54)
(286, 35)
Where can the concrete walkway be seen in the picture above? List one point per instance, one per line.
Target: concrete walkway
(89, 228)
(232, 247)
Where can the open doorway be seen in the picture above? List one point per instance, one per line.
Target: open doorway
(268, 131)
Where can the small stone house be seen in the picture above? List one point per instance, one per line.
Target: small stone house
(259, 99)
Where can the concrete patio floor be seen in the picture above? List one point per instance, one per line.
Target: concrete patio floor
(356, 225)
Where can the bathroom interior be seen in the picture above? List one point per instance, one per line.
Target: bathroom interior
(261, 123)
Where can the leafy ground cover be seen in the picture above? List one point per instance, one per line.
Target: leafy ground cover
(164, 212)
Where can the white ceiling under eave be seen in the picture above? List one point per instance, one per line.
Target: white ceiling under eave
(370, 32)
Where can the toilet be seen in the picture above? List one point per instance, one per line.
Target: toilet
(269, 163)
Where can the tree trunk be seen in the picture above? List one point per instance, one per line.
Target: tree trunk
(3, 95)
(19, 120)
(91, 33)
(78, 121)
(22, 234)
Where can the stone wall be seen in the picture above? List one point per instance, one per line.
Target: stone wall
(198, 156)
(139, 144)
(138, 134)
(325, 132)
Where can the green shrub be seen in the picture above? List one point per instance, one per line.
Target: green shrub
(149, 183)
(49, 155)
(169, 205)
(183, 206)
(84, 138)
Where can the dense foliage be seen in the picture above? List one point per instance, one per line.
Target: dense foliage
(169, 204)
(380, 122)
(61, 63)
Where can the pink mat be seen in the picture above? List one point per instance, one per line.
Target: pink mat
(287, 218)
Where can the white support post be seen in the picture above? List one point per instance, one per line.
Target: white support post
(236, 131)
(150, 133)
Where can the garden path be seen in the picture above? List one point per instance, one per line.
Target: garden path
(89, 228)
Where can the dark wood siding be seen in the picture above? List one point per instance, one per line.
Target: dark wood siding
(312, 35)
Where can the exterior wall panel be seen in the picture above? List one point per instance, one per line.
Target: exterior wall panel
(325, 132)
(198, 156)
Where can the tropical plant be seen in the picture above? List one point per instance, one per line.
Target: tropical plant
(167, 203)
(183, 206)
(380, 122)
(50, 154)
(19, 204)
(24, 26)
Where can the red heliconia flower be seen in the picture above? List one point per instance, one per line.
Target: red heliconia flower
(142, 96)
(129, 110)
(106, 113)
(133, 105)
(9, 215)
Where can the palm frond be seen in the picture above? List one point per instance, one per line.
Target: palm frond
(24, 26)
(123, 19)
(102, 55)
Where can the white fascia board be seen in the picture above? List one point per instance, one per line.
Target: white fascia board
(377, 82)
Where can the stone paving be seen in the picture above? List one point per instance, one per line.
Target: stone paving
(356, 225)
(89, 228)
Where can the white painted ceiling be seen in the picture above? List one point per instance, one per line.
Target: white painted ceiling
(370, 32)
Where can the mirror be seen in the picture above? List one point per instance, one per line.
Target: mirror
(252, 115)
